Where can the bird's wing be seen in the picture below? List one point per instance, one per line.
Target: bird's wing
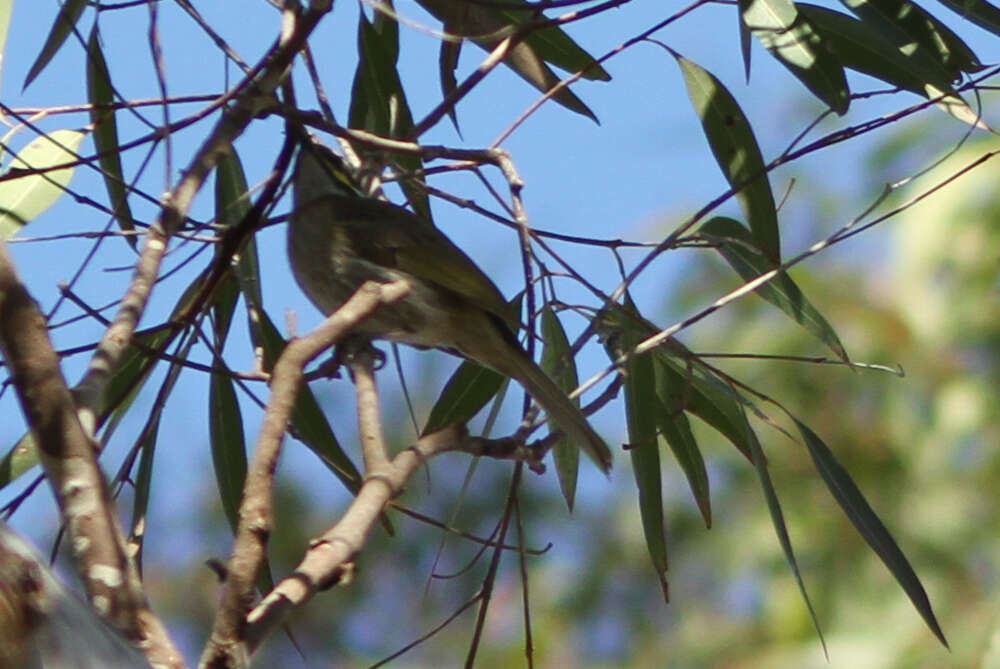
(414, 245)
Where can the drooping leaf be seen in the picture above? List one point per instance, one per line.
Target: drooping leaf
(102, 116)
(558, 362)
(744, 44)
(229, 455)
(735, 148)
(28, 187)
(62, 27)
(642, 410)
(793, 40)
(982, 13)
(447, 64)
(778, 520)
(553, 45)
(680, 381)
(468, 390)
(862, 47)
(868, 524)
(308, 422)
(736, 246)
(675, 428)
(378, 102)
(143, 484)
(487, 27)
(908, 25)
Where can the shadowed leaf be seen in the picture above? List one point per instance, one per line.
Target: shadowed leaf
(735, 148)
(557, 361)
(62, 27)
(736, 246)
(868, 524)
(106, 133)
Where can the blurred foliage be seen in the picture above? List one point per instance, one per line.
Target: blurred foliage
(921, 447)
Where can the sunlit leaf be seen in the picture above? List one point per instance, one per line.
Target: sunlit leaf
(736, 150)
(863, 48)
(869, 525)
(736, 246)
(6, 10)
(793, 40)
(910, 27)
(62, 28)
(558, 362)
(102, 116)
(28, 187)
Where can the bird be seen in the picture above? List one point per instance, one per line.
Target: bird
(339, 238)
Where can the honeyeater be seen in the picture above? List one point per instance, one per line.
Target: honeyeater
(338, 238)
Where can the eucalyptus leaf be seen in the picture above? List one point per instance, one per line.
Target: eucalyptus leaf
(468, 390)
(735, 148)
(908, 25)
(229, 455)
(28, 186)
(102, 117)
(62, 27)
(735, 244)
(797, 45)
(558, 362)
(868, 524)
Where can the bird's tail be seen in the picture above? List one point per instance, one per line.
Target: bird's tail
(559, 407)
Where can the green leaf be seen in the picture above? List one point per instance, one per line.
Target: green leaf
(29, 187)
(778, 520)
(553, 45)
(980, 12)
(797, 45)
(736, 150)
(143, 484)
(378, 102)
(102, 117)
(468, 390)
(558, 363)
(6, 10)
(860, 513)
(736, 246)
(676, 429)
(681, 381)
(62, 27)
(642, 411)
(744, 45)
(911, 27)
(486, 27)
(864, 48)
(447, 64)
(308, 421)
(861, 47)
(232, 205)
(229, 454)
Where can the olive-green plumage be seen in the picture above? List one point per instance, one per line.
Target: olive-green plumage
(338, 239)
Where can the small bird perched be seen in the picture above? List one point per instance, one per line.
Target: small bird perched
(338, 238)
